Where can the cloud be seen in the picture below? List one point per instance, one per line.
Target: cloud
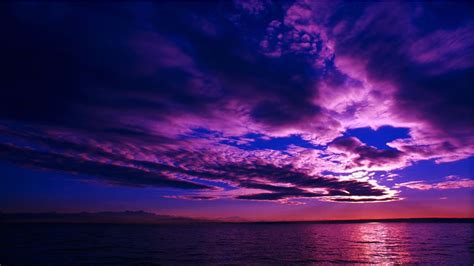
(361, 156)
(108, 172)
(373, 51)
(452, 182)
(260, 175)
(150, 100)
(445, 50)
(191, 197)
(252, 7)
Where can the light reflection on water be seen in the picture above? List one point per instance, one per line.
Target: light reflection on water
(402, 243)
(380, 242)
(238, 244)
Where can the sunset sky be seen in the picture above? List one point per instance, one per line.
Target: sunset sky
(285, 110)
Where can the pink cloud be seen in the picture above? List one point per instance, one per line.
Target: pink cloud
(452, 182)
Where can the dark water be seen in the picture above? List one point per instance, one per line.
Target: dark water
(239, 244)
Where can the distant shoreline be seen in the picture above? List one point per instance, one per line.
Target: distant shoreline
(145, 218)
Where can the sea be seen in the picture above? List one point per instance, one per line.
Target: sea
(237, 244)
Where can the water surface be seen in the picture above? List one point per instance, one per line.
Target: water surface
(237, 244)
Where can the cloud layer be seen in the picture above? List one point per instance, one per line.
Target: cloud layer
(136, 95)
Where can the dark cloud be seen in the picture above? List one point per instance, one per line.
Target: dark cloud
(366, 155)
(129, 68)
(278, 113)
(108, 172)
(192, 197)
(426, 64)
(363, 200)
(277, 196)
(298, 184)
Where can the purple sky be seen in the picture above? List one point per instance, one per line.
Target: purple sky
(258, 109)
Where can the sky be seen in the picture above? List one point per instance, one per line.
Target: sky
(285, 110)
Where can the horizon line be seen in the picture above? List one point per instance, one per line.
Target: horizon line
(50, 217)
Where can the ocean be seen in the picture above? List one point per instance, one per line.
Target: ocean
(237, 244)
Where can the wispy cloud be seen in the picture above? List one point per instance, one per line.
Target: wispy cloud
(450, 183)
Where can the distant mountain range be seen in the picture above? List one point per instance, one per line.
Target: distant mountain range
(126, 217)
(142, 217)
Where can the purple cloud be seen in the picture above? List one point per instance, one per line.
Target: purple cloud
(362, 155)
(452, 182)
(154, 101)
